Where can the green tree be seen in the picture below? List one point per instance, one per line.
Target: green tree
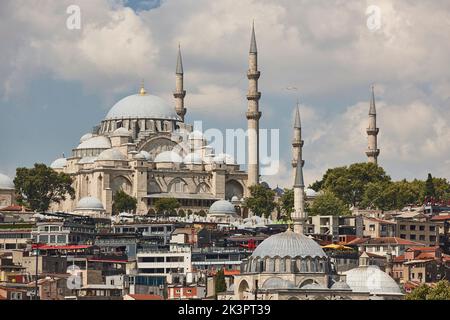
(38, 187)
(442, 188)
(286, 203)
(430, 191)
(419, 293)
(221, 285)
(261, 201)
(328, 204)
(166, 206)
(349, 183)
(123, 203)
(441, 291)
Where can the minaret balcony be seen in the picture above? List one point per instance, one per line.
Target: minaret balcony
(294, 163)
(254, 96)
(179, 94)
(253, 115)
(297, 143)
(373, 153)
(253, 75)
(373, 131)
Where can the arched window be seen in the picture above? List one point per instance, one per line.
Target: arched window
(203, 188)
(178, 186)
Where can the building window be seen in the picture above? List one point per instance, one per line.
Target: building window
(433, 238)
(422, 237)
(432, 228)
(422, 228)
(412, 236)
(402, 227)
(412, 227)
(403, 236)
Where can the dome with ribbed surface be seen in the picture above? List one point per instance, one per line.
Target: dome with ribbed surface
(371, 279)
(89, 203)
(168, 157)
(288, 244)
(140, 106)
(121, 132)
(97, 142)
(277, 283)
(87, 160)
(59, 163)
(222, 207)
(86, 137)
(112, 155)
(6, 183)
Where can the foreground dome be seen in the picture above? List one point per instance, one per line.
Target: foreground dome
(222, 207)
(97, 142)
(59, 163)
(371, 279)
(142, 106)
(168, 157)
(289, 244)
(89, 203)
(112, 155)
(6, 183)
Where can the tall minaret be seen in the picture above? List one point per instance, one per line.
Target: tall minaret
(253, 113)
(179, 93)
(299, 214)
(372, 132)
(297, 142)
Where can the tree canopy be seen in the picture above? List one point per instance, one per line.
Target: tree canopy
(261, 201)
(441, 291)
(221, 285)
(327, 204)
(166, 206)
(286, 203)
(123, 203)
(38, 187)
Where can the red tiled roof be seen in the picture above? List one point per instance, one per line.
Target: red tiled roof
(69, 247)
(399, 259)
(441, 218)
(393, 240)
(145, 297)
(428, 249)
(357, 241)
(15, 208)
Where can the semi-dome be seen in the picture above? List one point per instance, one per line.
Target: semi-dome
(87, 160)
(90, 203)
(313, 286)
(142, 106)
(277, 283)
(59, 163)
(340, 285)
(371, 279)
(168, 157)
(112, 155)
(97, 142)
(121, 132)
(222, 207)
(310, 192)
(193, 158)
(146, 155)
(86, 137)
(6, 183)
(139, 156)
(289, 244)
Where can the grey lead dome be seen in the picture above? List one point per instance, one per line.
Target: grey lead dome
(288, 244)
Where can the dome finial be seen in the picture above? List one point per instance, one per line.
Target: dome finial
(142, 92)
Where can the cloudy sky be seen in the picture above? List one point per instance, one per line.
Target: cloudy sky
(57, 83)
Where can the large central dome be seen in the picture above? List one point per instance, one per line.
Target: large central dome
(142, 106)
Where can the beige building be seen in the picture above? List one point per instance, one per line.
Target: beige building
(6, 191)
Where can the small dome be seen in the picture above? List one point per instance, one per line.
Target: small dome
(121, 132)
(222, 207)
(146, 155)
(193, 158)
(139, 156)
(371, 279)
(85, 137)
(313, 286)
(168, 157)
(340, 285)
(112, 155)
(144, 106)
(98, 142)
(89, 203)
(6, 183)
(86, 160)
(310, 192)
(234, 199)
(289, 244)
(278, 283)
(265, 185)
(59, 163)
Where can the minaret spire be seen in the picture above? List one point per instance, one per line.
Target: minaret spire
(253, 113)
(179, 93)
(297, 142)
(299, 215)
(372, 132)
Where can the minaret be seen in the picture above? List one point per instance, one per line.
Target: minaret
(179, 93)
(372, 132)
(253, 113)
(299, 214)
(297, 142)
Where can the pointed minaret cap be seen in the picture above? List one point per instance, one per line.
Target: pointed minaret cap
(299, 181)
(142, 92)
(372, 110)
(253, 48)
(179, 61)
(297, 123)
